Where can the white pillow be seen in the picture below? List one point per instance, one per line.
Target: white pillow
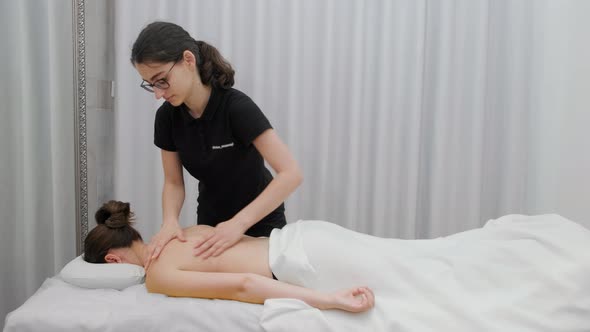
(90, 275)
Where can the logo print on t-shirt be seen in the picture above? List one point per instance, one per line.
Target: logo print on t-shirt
(219, 147)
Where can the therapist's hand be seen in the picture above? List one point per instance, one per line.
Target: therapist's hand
(225, 235)
(168, 232)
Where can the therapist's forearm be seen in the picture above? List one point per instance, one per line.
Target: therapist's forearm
(172, 200)
(270, 198)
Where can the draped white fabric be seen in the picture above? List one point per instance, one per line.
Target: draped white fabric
(409, 118)
(37, 171)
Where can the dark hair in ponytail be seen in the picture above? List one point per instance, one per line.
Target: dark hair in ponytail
(166, 42)
(113, 231)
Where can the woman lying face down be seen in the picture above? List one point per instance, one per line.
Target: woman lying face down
(241, 273)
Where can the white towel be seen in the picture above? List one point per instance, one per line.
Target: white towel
(517, 273)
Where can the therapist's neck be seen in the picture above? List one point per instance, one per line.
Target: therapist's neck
(198, 100)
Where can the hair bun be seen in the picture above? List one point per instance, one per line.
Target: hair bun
(114, 214)
(116, 222)
(102, 215)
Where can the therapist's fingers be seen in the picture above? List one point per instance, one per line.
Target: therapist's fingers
(180, 236)
(152, 255)
(204, 244)
(147, 263)
(202, 239)
(156, 252)
(204, 248)
(215, 249)
(154, 249)
(148, 258)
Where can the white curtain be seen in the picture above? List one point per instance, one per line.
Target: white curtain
(37, 168)
(409, 118)
(559, 158)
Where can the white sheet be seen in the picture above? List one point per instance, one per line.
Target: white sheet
(60, 307)
(518, 273)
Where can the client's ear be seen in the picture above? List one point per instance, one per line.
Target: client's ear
(112, 258)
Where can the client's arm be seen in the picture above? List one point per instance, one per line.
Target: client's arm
(253, 288)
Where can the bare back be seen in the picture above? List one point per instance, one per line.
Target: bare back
(249, 255)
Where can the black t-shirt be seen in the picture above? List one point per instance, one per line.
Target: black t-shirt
(217, 150)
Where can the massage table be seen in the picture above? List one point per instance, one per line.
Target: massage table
(517, 273)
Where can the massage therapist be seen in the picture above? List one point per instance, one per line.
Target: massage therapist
(218, 135)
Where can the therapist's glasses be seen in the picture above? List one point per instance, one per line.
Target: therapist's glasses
(161, 84)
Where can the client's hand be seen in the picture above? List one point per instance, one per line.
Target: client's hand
(357, 299)
(168, 232)
(225, 235)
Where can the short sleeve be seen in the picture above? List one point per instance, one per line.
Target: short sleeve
(163, 128)
(247, 120)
